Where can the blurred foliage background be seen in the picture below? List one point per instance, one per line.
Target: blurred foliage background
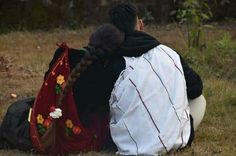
(47, 14)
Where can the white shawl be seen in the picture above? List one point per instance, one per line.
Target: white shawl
(149, 106)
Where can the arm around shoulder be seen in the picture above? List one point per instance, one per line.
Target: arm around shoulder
(193, 81)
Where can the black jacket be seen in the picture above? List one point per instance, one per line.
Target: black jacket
(92, 90)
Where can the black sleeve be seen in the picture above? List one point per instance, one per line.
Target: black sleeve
(115, 66)
(193, 80)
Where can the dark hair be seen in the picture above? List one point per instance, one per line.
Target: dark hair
(102, 44)
(124, 16)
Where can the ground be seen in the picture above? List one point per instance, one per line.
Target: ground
(24, 57)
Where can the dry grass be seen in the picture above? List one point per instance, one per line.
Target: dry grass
(24, 57)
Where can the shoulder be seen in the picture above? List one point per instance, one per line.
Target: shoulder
(116, 65)
(166, 49)
(75, 56)
(163, 51)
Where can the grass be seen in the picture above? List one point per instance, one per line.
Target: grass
(24, 57)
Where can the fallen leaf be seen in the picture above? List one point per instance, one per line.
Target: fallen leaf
(13, 95)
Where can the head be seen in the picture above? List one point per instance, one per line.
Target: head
(102, 44)
(106, 39)
(124, 16)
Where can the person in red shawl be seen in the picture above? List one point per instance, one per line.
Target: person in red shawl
(71, 110)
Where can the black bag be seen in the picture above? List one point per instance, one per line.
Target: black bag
(15, 128)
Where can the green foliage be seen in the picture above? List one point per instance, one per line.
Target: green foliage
(218, 59)
(193, 13)
(37, 14)
(224, 43)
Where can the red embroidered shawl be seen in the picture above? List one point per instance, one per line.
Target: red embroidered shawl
(71, 135)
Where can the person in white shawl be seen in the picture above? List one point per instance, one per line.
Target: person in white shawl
(156, 103)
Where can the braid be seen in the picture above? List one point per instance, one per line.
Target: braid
(102, 44)
(89, 57)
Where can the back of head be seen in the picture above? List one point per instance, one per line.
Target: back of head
(124, 16)
(102, 44)
(107, 38)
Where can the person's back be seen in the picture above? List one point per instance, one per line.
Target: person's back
(149, 106)
(63, 120)
(157, 91)
(92, 90)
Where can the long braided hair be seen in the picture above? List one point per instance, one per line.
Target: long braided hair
(102, 45)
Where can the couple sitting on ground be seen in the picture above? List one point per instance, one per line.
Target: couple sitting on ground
(124, 87)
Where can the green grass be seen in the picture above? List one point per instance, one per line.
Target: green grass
(27, 55)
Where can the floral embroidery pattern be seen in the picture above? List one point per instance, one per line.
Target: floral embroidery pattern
(40, 119)
(76, 130)
(47, 122)
(69, 123)
(60, 81)
(55, 113)
(43, 124)
(70, 128)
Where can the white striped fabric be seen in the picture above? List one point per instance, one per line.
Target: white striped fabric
(149, 106)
